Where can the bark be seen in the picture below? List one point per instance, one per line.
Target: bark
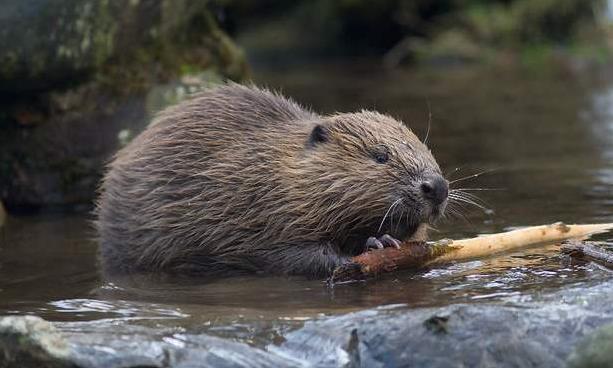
(421, 254)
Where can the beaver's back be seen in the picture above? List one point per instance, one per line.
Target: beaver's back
(199, 181)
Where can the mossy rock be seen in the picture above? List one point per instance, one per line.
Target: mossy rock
(28, 341)
(75, 76)
(595, 350)
(45, 44)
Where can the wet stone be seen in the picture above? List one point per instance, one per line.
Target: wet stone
(550, 330)
(31, 342)
(595, 350)
(149, 349)
(540, 333)
(28, 341)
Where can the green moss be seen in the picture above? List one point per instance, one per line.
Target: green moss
(135, 43)
(385, 28)
(102, 38)
(452, 45)
(599, 53)
(84, 62)
(187, 41)
(536, 55)
(162, 96)
(492, 24)
(187, 68)
(231, 57)
(594, 350)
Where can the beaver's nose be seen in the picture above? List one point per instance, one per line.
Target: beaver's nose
(435, 189)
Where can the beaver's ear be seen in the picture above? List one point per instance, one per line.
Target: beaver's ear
(318, 135)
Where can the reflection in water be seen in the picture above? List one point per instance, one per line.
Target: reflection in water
(601, 113)
(550, 142)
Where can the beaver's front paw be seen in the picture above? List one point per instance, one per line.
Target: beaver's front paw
(384, 241)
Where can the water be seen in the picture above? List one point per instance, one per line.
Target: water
(546, 140)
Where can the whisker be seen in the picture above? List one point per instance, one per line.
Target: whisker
(392, 217)
(476, 189)
(472, 176)
(469, 201)
(399, 220)
(451, 172)
(387, 213)
(429, 122)
(456, 212)
(472, 197)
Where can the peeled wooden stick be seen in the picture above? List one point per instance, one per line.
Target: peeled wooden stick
(487, 245)
(420, 254)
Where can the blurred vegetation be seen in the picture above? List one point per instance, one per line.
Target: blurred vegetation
(79, 78)
(419, 30)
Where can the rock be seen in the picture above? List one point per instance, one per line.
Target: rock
(46, 43)
(453, 47)
(541, 332)
(595, 350)
(527, 334)
(28, 341)
(77, 79)
(175, 350)
(31, 342)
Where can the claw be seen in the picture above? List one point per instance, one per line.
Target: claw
(386, 241)
(374, 243)
(389, 241)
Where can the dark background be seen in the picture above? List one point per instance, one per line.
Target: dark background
(79, 79)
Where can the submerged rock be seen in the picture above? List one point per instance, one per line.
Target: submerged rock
(31, 342)
(595, 350)
(541, 332)
(527, 334)
(75, 76)
(177, 350)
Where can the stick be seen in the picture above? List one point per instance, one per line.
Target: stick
(522, 238)
(420, 254)
(593, 251)
(413, 254)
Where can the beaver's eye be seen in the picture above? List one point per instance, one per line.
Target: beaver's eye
(381, 154)
(382, 157)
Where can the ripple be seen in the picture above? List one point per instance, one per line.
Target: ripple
(119, 308)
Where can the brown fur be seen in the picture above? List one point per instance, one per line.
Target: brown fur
(241, 179)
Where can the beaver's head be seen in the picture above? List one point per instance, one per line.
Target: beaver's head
(372, 175)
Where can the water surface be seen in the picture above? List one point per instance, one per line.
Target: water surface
(544, 139)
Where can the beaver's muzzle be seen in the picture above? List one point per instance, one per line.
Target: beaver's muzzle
(435, 190)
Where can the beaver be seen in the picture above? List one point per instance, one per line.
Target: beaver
(241, 179)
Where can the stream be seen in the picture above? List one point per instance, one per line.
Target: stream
(540, 142)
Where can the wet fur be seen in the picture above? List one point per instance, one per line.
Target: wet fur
(239, 179)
